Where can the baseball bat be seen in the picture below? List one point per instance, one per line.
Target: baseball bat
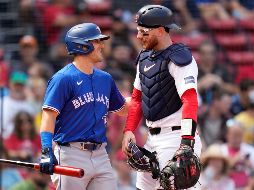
(62, 170)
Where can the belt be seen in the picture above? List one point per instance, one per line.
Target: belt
(86, 146)
(157, 130)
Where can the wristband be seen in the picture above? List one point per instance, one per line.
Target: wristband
(188, 127)
(46, 139)
(189, 142)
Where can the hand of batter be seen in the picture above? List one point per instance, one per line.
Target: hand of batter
(48, 160)
(128, 136)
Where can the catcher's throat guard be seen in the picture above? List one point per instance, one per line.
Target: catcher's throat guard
(143, 160)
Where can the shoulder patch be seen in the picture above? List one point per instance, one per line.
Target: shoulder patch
(179, 54)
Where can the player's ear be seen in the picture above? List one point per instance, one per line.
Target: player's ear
(161, 31)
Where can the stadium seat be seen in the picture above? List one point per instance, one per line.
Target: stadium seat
(105, 22)
(241, 58)
(222, 26)
(247, 25)
(101, 7)
(177, 38)
(243, 72)
(252, 39)
(232, 41)
(192, 41)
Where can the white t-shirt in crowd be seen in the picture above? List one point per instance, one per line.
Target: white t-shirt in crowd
(10, 108)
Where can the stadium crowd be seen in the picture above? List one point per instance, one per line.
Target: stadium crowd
(220, 34)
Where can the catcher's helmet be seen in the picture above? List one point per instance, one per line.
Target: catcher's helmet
(78, 38)
(153, 16)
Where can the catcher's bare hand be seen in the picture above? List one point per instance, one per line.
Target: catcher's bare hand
(127, 137)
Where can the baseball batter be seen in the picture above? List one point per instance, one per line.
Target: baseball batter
(77, 101)
(165, 92)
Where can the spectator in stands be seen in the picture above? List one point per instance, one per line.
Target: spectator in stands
(27, 11)
(213, 9)
(122, 33)
(35, 181)
(211, 73)
(122, 59)
(15, 102)
(241, 100)
(28, 55)
(212, 121)
(246, 118)
(116, 123)
(241, 154)
(36, 92)
(242, 9)
(120, 30)
(215, 170)
(10, 175)
(24, 143)
(251, 183)
(57, 16)
(125, 175)
(28, 51)
(40, 71)
(3, 70)
(186, 13)
(58, 56)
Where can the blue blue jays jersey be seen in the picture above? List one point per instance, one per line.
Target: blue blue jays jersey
(82, 102)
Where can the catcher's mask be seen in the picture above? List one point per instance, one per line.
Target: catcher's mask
(143, 160)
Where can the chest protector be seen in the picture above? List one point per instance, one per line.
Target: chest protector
(159, 95)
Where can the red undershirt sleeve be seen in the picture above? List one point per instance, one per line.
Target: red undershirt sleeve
(190, 104)
(135, 111)
(190, 108)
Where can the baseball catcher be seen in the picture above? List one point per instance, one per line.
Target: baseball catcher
(165, 94)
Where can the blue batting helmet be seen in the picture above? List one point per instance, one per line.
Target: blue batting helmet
(78, 38)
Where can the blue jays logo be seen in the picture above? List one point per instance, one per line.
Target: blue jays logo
(97, 28)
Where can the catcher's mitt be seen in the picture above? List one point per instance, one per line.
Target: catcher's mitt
(182, 171)
(143, 160)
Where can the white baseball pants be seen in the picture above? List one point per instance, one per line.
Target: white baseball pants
(96, 164)
(165, 144)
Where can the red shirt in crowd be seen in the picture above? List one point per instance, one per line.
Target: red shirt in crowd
(51, 12)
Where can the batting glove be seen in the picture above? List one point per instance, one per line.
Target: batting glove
(48, 160)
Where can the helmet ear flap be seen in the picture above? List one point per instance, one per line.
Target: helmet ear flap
(87, 47)
(75, 47)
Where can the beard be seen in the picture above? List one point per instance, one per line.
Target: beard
(150, 44)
